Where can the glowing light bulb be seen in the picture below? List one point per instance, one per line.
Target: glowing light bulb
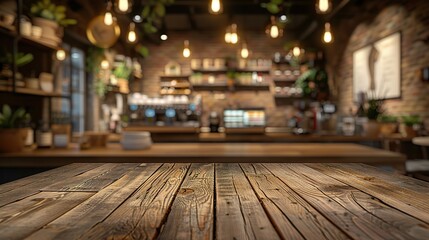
(274, 31)
(215, 7)
(296, 51)
(244, 51)
(323, 6)
(186, 50)
(123, 5)
(228, 37)
(327, 36)
(234, 35)
(164, 37)
(132, 36)
(60, 54)
(108, 18)
(104, 64)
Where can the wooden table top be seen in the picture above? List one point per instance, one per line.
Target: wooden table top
(204, 152)
(215, 201)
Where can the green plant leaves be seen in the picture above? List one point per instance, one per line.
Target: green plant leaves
(146, 11)
(9, 119)
(7, 112)
(160, 9)
(144, 51)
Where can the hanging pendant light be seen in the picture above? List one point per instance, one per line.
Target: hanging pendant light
(244, 51)
(215, 7)
(327, 36)
(323, 6)
(234, 34)
(186, 50)
(108, 16)
(132, 36)
(273, 30)
(296, 51)
(60, 54)
(123, 6)
(228, 35)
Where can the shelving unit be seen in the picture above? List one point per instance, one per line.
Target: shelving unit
(12, 38)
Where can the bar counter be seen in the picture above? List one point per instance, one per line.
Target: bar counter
(214, 201)
(205, 152)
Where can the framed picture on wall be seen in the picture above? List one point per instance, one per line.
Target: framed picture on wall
(377, 69)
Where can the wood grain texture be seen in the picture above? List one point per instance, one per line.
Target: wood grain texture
(414, 203)
(14, 191)
(98, 207)
(215, 152)
(191, 215)
(141, 215)
(350, 222)
(292, 216)
(239, 215)
(365, 206)
(23, 217)
(93, 180)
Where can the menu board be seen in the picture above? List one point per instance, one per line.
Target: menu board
(377, 69)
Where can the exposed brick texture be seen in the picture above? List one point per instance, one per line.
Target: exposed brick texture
(382, 19)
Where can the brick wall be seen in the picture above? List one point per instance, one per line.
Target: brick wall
(205, 44)
(382, 18)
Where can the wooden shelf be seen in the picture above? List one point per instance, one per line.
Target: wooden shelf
(34, 92)
(36, 42)
(211, 87)
(256, 87)
(7, 30)
(281, 96)
(177, 85)
(249, 70)
(213, 70)
(171, 77)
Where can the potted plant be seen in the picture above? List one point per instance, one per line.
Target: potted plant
(410, 125)
(50, 17)
(6, 60)
(374, 110)
(12, 132)
(388, 124)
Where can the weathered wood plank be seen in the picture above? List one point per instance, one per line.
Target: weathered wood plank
(93, 180)
(191, 215)
(28, 186)
(367, 207)
(293, 217)
(142, 214)
(412, 202)
(94, 210)
(385, 176)
(239, 215)
(319, 196)
(20, 219)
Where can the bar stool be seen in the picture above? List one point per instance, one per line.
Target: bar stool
(419, 168)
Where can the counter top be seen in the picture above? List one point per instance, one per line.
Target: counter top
(205, 152)
(214, 201)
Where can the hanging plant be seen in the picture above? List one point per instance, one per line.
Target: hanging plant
(314, 84)
(153, 13)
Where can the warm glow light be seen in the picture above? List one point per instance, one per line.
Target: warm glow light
(228, 37)
(60, 54)
(234, 35)
(186, 50)
(164, 37)
(132, 36)
(327, 36)
(296, 51)
(215, 7)
(244, 51)
(274, 31)
(323, 6)
(104, 64)
(108, 18)
(123, 5)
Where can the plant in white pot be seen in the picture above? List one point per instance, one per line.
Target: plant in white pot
(50, 17)
(12, 130)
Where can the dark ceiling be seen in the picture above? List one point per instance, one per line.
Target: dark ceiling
(248, 14)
